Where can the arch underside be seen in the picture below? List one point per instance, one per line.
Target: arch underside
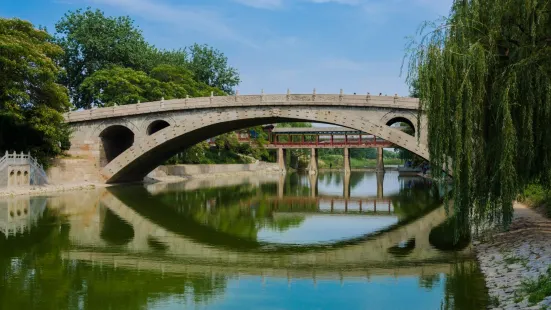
(151, 151)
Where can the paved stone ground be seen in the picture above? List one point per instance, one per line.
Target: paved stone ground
(522, 253)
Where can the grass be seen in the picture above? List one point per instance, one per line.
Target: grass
(539, 289)
(336, 161)
(494, 301)
(536, 195)
(510, 260)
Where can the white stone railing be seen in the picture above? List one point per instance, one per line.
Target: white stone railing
(247, 100)
(38, 175)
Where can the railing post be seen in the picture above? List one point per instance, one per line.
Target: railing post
(314, 95)
(288, 94)
(340, 95)
(262, 95)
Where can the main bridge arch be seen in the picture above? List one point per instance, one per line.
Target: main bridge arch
(194, 120)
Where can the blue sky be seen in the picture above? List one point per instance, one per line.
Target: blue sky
(356, 45)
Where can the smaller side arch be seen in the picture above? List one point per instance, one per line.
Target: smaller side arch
(156, 126)
(114, 140)
(408, 118)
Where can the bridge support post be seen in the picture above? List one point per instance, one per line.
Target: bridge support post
(281, 186)
(313, 167)
(380, 162)
(380, 190)
(346, 184)
(281, 158)
(346, 160)
(313, 185)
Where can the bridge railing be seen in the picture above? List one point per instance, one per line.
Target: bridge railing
(37, 174)
(246, 100)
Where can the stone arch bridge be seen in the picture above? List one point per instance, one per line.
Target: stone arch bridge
(127, 142)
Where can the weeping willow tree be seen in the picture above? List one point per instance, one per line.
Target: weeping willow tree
(483, 78)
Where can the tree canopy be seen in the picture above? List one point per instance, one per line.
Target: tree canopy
(483, 79)
(94, 42)
(31, 102)
(118, 85)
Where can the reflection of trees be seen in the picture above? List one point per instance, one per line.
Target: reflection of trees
(33, 275)
(356, 178)
(231, 209)
(296, 185)
(429, 281)
(415, 198)
(465, 288)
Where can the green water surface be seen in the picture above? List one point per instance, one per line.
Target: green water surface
(332, 241)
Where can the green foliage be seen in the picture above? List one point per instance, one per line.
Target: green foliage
(294, 125)
(98, 48)
(31, 102)
(93, 41)
(210, 66)
(118, 85)
(537, 195)
(182, 82)
(484, 81)
(538, 289)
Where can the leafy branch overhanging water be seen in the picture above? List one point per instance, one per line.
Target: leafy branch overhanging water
(483, 78)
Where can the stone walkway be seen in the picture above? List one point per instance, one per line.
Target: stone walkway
(522, 253)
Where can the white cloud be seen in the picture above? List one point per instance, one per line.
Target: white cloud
(199, 19)
(440, 7)
(347, 2)
(261, 4)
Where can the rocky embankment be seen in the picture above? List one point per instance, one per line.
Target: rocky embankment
(516, 263)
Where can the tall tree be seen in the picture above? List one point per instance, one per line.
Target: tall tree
(93, 41)
(31, 102)
(120, 86)
(484, 81)
(210, 66)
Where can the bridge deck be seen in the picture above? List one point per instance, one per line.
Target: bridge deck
(393, 102)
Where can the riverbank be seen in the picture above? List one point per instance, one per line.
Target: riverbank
(516, 263)
(73, 175)
(49, 189)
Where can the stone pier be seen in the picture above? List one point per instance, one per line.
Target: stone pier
(347, 161)
(281, 159)
(380, 189)
(346, 185)
(380, 161)
(313, 166)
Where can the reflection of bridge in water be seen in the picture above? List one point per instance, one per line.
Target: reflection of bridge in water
(371, 251)
(327, 204)
(19, 214)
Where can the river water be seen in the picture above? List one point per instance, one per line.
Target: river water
(333, 241)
